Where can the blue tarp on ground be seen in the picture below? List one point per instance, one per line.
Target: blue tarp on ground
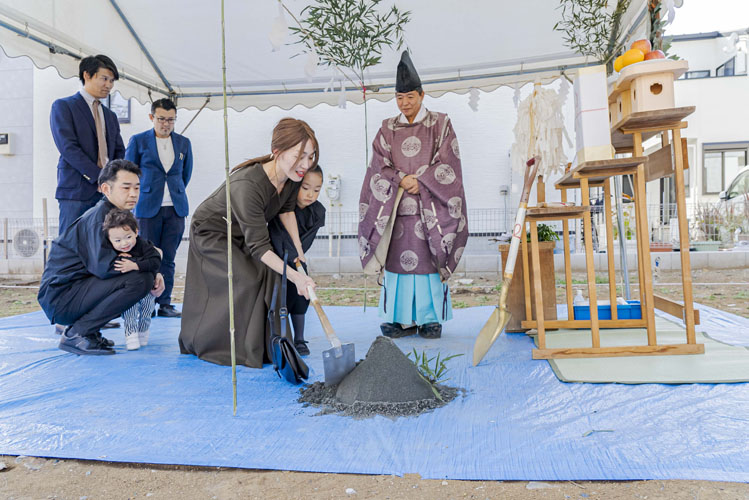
(517, 421)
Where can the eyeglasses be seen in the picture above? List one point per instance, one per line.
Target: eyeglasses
(170, 121)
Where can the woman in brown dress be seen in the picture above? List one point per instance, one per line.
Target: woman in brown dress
(261, 188)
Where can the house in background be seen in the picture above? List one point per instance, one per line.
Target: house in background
(718, 85)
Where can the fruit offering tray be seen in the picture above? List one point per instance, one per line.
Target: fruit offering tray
(642, 68)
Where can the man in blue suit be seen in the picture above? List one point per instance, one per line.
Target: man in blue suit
(87, 135)
(165, 158)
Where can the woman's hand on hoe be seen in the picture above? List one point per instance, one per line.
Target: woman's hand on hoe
(302, 281)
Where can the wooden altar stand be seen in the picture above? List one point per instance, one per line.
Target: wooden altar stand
(627, 135)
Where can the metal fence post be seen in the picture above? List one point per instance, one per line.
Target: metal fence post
(45, 231)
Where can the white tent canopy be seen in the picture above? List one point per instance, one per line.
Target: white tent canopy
(173, 47)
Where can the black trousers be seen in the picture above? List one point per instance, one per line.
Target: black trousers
(164, 230)
(92, 302)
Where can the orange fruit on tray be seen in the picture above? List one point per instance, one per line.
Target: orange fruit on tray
(643, 45)
(655, 54)
(632, 56)
(619, 63)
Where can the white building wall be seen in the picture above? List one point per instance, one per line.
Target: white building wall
(721, 116)
(722, 103)
(704, 54)
(485, 139)
(485, 136)
(16, 119)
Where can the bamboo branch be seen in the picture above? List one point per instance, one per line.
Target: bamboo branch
(229, 272)
(301, 28)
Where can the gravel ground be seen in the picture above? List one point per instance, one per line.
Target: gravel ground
(35, 478)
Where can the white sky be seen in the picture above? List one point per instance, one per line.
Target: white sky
(701, 16)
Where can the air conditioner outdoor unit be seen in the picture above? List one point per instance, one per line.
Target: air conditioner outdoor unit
(26, 242)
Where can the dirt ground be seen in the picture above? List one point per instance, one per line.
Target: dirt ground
(37, 478)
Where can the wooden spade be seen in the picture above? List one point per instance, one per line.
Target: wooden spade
(501, 315)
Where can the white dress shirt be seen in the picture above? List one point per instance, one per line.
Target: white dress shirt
(166, 156)
(90, 101)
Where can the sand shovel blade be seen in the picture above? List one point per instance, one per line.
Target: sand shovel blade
(337, 367)
(489, 333)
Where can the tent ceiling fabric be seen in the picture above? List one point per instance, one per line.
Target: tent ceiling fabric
(455, 46)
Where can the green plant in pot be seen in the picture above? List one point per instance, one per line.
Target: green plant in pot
(545, 233)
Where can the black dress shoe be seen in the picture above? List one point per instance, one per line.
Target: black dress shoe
(168, 311)
(301, 347)
(103, 340)
(430, 331)
(88, 345)
(111, 324)
(396, 331)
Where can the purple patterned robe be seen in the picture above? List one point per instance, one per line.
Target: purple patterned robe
(430, 230)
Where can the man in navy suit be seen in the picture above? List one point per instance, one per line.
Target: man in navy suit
(165, 158)
(87, 135)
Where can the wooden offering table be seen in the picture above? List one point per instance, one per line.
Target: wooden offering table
(628, 135)
(583, 177)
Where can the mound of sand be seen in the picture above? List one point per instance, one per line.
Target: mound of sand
(386, 375)
(384, 383)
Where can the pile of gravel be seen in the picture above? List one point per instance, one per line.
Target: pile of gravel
(384, 383)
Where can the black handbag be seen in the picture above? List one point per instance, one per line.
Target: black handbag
(286, 360)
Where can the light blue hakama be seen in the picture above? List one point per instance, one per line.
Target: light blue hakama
(414, 298)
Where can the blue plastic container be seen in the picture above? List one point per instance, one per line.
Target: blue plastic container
(630, 311)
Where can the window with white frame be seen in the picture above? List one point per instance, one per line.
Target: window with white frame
(720, 164)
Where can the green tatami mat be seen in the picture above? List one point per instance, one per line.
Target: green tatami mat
(721, 363)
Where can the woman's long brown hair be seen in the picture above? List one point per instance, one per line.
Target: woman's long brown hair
(288, 133)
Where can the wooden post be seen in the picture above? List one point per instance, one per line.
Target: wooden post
(526, 275)
(567, 263)
(643, 238)
(539, 298)
(590, 265)
(637, 151)
(686, 266)
(647, 286)
(540, 191)
(610, 248)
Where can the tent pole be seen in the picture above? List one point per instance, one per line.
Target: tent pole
(207, 100)
(56, 49)
(229, 273)
(142, 46)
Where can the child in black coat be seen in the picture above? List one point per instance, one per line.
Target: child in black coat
(310, 217)
(134, 254)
